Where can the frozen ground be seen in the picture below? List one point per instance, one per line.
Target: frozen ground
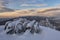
(46, 34)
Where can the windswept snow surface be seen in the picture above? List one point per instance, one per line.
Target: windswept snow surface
(46, 34)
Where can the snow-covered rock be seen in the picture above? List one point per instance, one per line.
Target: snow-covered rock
(31, 23)
(37, 28)
(21, 25)
(13, 26)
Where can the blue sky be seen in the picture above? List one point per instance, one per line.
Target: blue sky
(23, 4)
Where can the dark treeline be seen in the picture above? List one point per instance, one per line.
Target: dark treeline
(37, 18)
(4, 20)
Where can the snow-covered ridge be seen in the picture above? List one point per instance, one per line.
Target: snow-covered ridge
(51, 22)
(20, 25)
(24, 29)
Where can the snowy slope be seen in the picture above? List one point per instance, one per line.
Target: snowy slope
(51, 34)
(46, 34)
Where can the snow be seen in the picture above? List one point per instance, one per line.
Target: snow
(51, 34)
(46, 34)
(31, 23)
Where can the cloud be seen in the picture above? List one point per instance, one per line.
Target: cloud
(33, 5)
(58, 5)
(1, 3)
(3, 8)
